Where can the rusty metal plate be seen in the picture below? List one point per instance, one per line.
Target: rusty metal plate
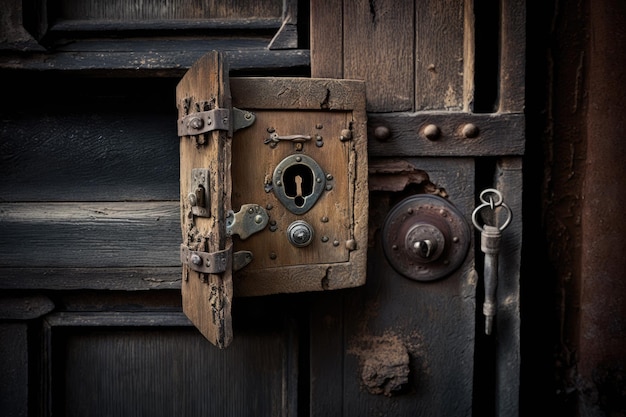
(425, 237)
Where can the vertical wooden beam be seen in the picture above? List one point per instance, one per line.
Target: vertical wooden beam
(507, 361)
(602, 338)
(439, 54)
(378, 48)
(469, 55)
(326, 39)
(513, 56)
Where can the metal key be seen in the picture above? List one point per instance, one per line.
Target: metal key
(490, 246)
(490, 237)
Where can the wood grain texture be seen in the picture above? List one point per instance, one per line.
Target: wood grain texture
(439, 55)
(326, 38)
(434, 322)
(310, 107)
(497, 134)
(107, 364)
(513, 56)
(89, 235)
(121, 10)
(379, 48)
(14, 364)
(207, 297)
(89, 155)
(508, 179)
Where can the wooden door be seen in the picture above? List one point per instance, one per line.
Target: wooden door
(445, 98)
(91, 318)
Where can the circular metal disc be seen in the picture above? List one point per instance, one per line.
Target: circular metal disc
(429, 210)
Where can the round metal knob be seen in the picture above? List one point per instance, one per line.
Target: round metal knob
(425, 237)
(300, 233)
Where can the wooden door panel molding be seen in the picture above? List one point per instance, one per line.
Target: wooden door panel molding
(155, 363)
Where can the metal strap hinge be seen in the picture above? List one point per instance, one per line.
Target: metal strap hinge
(205, 262)
(216, 119)
(215, 262)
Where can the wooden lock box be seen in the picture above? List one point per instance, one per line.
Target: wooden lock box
(273, 186)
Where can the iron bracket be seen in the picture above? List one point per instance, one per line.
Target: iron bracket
(215, 119)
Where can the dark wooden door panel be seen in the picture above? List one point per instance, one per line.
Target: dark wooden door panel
(157, 364)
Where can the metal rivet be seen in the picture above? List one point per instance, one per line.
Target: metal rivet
(329, 177)
(318, 126)
(272, 255)
(298, 158)
(324, 238)
(410, 210)
(329, 187)
(269, 206)
(335, 243)
(470, 130)
(196, 123)
(351, 244)
(279, 183)
(382, 133)
(196, 259)
(432, 132)
(258, 219)
(346, 134)
(324, 219)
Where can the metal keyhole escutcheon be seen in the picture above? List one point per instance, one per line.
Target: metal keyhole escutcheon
(425, 237)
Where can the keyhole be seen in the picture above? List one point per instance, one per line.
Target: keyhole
(298, 180)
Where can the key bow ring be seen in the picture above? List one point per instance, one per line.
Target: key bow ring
(487, 199)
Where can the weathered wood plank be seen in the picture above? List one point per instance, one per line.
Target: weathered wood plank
(513, 56)
(24, 307)
(495, 134)
(121, 10)
(123, 279)
(89, 235)
(89, 155)
(439, 55)
(508, 179)
(113, 353)
(326, 38)
(430, 325)
(156, 63)
(379, 48)
(207, 297)
(14, 384)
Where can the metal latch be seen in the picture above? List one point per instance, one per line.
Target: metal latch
(216, 119)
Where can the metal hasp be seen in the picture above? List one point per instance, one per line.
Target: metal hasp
(425, 237)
